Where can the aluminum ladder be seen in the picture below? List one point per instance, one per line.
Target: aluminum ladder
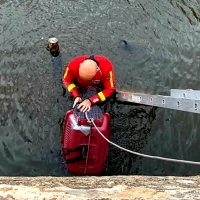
(183, 100)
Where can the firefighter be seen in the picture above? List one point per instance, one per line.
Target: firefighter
(89, 71)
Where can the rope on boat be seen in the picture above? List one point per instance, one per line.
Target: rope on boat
(91, 120)
(86, 162)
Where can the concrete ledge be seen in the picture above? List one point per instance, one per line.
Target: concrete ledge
(113, 187)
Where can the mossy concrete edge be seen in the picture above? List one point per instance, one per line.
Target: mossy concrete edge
(100, 187)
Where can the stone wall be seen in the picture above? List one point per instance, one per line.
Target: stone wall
(113, 187)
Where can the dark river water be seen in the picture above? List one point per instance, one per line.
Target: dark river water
(163, 52)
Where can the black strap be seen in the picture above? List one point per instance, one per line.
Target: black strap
(81, 149)
(73, 160)
(69, 150)
(92, 58)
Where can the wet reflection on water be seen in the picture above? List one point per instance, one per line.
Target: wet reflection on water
(162, 52)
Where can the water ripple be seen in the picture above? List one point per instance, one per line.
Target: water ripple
(162, 52)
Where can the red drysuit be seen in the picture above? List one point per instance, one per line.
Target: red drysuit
(103, 79)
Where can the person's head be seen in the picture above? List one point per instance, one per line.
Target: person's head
(87, 69)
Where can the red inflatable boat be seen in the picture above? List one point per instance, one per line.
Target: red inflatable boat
(84, 149)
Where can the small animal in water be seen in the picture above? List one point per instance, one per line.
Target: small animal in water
(133, 49)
